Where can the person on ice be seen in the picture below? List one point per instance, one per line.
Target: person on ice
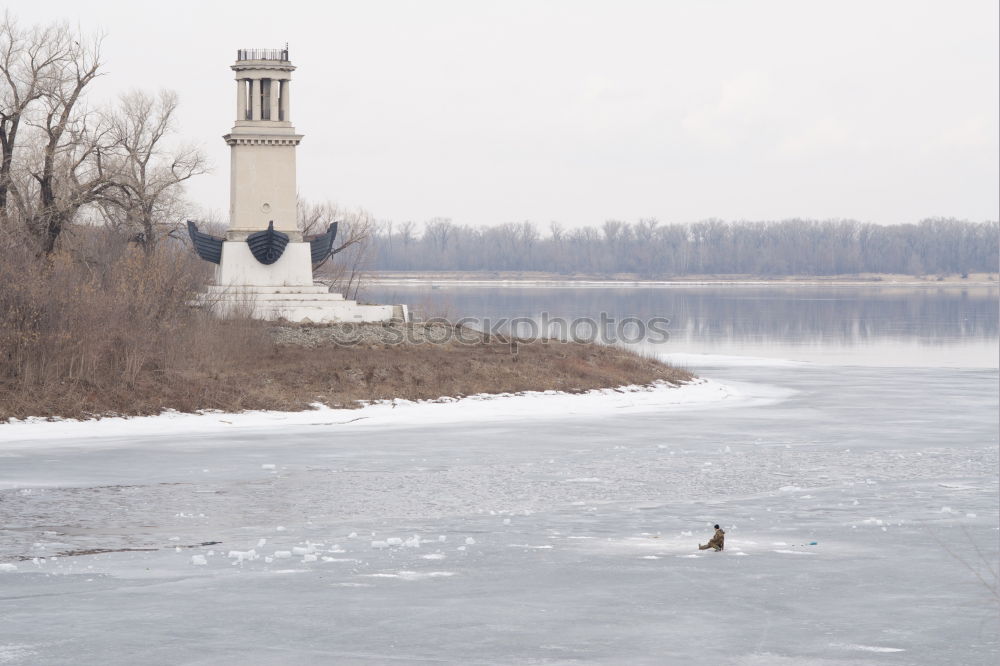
(717, 541)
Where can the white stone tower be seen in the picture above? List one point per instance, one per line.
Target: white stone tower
(262, 173)
(263, 143)
(264, 263)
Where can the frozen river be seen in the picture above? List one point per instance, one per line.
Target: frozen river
(858, 490)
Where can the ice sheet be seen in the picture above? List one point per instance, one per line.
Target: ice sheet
(860, 507)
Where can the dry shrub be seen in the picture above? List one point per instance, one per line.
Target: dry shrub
(104, 327)
(344, 375)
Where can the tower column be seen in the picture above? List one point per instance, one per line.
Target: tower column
(241, 99)
(275, 88)
(255, 99)
(285, 108)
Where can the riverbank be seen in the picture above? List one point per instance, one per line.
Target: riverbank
(291, 368)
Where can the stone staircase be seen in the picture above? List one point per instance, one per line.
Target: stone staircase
(305, 304)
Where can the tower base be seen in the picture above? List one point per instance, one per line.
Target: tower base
(283, 290)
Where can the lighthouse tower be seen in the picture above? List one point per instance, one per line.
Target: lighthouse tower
(265, 266)
(262, 188)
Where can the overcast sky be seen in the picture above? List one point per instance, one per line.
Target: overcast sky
(488, 112)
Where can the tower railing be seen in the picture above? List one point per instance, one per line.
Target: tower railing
(262, 54)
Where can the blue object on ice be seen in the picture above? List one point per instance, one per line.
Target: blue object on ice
(812, 543)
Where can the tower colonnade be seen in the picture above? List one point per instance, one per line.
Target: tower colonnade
(263, 85)
(263, 98)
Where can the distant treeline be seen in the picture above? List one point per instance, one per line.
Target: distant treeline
(648, 248)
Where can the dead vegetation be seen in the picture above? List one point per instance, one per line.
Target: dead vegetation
(343, 375)
(107, 329)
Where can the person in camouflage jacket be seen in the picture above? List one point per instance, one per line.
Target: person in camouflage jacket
(717, 541)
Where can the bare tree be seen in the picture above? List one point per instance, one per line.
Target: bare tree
(60, 160)
(407, 233)
(52, 163)
(352, 249)
(146, 199)
(26, 56)
(34, 62)
(314, 218)
(439, 231)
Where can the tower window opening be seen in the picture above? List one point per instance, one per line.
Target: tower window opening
(265, 99)
(280, 92)
(246, 91)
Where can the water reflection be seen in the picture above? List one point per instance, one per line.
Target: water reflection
(869, 325)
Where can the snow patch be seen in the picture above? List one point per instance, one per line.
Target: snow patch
(412, 575)
(867, 648)
(120, 431)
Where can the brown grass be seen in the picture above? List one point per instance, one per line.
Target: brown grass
(284, 377)
(82, 338)
(292, 377)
